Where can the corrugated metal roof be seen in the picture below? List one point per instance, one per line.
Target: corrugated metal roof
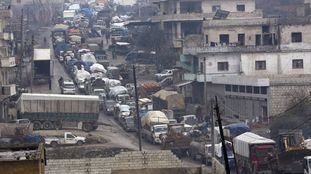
(32, 96)
(252, 138)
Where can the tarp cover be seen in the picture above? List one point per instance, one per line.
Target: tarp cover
(96, 67)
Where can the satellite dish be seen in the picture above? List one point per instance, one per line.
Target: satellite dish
(221, 14)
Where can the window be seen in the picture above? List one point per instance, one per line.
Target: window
(241, 39)
(263, 90)
(256, 90)
(240, 7)
(228, 88)
(235, 88)
(70, 136)
(258, 39)
(296, 37)
(242, 89)
(298, 64)
(249, 89)
(224, 39)
(260, 65)
(215, 8)
(206, 39)
(223, 66)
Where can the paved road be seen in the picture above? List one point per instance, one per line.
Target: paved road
(114, 133)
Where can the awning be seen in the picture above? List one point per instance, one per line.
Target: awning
(183, 83)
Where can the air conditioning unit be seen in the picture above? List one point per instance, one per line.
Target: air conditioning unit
(8, 90)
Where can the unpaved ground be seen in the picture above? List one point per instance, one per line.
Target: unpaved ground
(78, 152)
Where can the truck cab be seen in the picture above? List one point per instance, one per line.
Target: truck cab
(68, 87)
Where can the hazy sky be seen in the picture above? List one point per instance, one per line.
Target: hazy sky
(125, 2)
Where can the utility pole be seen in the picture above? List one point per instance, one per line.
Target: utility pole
(224, 149)
(137, 109)
(205, 91)
(31, 62)
(21, 47)
(212, 134)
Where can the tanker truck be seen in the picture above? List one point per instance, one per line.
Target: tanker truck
(56, 111)
(154, 124)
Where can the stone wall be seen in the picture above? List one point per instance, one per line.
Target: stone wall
(123, 161)
(284, 91)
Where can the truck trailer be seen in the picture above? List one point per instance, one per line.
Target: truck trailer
(42, 65)
(56, 111)
(255, 154)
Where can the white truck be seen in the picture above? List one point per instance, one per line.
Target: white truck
(154, 124)
(255, 154)
(69, 139)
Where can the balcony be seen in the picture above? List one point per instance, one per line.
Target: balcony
(7, 62)
(5, 13)
(6, 36)
(8, 90)
(229, 49)
(209, 77)
(178, 17)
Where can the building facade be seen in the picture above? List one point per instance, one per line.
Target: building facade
(254, 64)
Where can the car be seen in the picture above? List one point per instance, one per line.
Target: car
(109, 106)
(189, 120)
(165, 73)
(68, 87)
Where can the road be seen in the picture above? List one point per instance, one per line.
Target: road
(111, 130)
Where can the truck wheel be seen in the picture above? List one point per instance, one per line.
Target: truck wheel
(47, 125)
(36, 125)
(58, 125)
(87, 127)
(79, 143)
(54, 143)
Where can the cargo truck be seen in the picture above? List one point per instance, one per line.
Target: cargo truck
(42, 65)
(169, 100)
(255, 154)
(154, 124)
(56, 111)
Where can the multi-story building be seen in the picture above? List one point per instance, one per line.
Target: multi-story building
(180, 18)
(7, 59)
(255, 65)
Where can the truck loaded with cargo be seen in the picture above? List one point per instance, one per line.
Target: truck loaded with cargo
(255, 154)
(154, 124)
(56, 111)
(42, 65)
(169, 100)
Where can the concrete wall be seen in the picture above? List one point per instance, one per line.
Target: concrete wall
(283, 91)
(213, 59)
(276, 63)
(233, 31)
(124, 161)
(160, 171)
(228, 5)
(286, 39)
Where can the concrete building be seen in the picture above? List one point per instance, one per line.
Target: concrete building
(7, 58)
(180, 18)
(256, 66)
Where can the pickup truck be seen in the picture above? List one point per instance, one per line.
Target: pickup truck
(69, 139)
(165, 73)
